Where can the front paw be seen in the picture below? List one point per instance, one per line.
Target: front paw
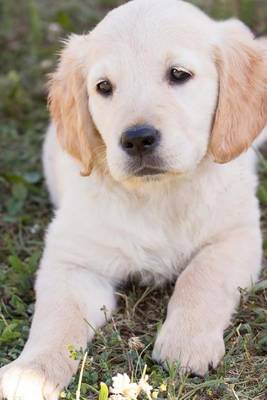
(195, 346)
(40, 378)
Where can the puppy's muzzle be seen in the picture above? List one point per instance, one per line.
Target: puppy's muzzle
(140, 140)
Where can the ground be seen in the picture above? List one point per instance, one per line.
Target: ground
(30, 33)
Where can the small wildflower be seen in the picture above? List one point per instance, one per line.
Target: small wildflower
(75, 354)
(155, 394)
(144, 385)
(54, 28)
(122, 386)
(124, 389)
(163, 387)
(35, 229)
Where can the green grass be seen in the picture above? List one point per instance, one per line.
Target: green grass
(29, 38)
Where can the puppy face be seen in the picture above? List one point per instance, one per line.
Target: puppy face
(149, 91)
(152, 90)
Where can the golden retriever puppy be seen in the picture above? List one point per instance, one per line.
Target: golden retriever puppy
(148, 164)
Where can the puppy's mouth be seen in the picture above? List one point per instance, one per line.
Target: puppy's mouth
(147, 167)
(149, 171)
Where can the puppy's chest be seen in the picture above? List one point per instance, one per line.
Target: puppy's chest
(157, 251)
(153, 243)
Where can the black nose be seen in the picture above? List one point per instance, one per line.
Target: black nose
(140, 139)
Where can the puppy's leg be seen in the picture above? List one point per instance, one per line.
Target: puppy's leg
(68, 309)
(204, 299)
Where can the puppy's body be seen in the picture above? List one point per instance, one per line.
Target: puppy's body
(153, 230)
(147, 175)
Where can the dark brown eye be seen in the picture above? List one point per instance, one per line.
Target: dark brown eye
(179, 75)
(105, 88)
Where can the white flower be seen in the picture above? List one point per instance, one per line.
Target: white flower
(122, 386)
(144, 386)
(54, 28)
(124, 389)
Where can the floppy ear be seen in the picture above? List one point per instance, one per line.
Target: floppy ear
(68, 103)
(242, 101)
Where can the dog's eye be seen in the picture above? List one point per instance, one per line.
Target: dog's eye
(104, 87)
(179, 75)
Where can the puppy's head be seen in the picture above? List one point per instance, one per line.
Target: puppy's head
(155, 88)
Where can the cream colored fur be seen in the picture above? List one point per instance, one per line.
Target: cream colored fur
(198, 223)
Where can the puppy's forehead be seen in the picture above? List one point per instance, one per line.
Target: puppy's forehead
(144, 24)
